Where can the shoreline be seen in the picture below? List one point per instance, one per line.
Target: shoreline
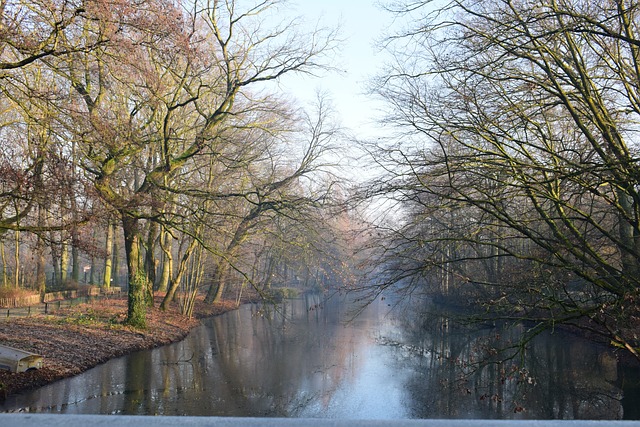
(76, 339)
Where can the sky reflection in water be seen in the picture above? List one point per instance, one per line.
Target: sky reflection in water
(308, 359)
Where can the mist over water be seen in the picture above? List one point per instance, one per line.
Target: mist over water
(310, 357)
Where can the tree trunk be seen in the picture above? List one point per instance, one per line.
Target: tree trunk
(137, 304)
(220, 279)
(64, 262)
(216, 289)
(630, 254)
(115, 274)
(194, 278)
(167, 261)
(108, 259)
(92, 271)
(75, 257)
(4, 263)
(150, 261)
(182, 267)
(17, 263)
(55, 261)
(41, 276)
(268, 277)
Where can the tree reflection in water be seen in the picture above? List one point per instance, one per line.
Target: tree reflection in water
(310, 358)
(478, 372)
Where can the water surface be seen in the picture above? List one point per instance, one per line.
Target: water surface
(311, 358)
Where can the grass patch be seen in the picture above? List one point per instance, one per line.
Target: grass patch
(91, 318)
(80, 319)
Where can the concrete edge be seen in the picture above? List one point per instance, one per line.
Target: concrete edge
(65, 420)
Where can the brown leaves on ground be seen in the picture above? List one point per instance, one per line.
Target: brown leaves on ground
(75, 339)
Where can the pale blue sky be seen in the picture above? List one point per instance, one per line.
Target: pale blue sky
(362, 22)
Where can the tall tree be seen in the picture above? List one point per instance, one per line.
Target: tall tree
(30, 31)
(108, 258)
(520, 121)
(167, 84)
(276, 186)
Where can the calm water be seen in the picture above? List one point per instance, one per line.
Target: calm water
(310, 358)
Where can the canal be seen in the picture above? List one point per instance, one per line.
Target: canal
(318, 357)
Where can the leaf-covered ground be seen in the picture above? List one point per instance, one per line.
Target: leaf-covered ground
(75, 339)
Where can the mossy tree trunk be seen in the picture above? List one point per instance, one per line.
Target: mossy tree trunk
(108, 259)
(137, 302)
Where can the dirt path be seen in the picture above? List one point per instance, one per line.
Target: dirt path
(75, 339)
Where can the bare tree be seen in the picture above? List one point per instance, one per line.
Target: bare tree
(520, 121)
(174, 105)
(144, 102)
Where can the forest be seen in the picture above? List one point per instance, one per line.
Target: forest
(145, 145)
(514, 171)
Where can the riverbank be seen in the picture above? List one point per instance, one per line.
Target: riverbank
(73, 340)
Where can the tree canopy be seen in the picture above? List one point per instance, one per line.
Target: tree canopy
(158, 115)
(516, 167)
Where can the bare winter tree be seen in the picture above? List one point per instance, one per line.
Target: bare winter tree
(162, 93)
(518, 166)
